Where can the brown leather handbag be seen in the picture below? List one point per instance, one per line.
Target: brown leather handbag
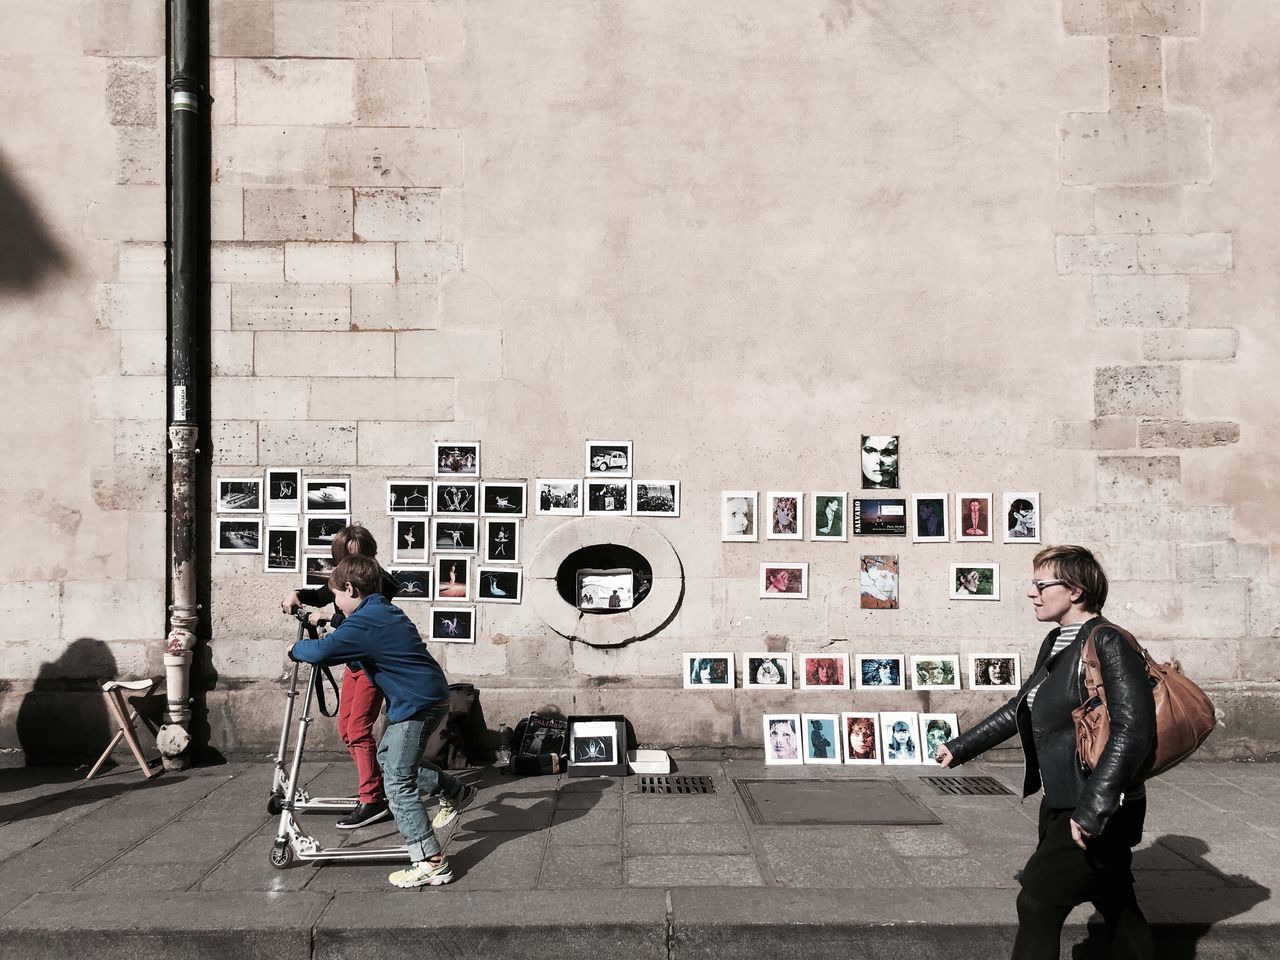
(1184, 714)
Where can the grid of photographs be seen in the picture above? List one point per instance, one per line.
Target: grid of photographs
(865, 672)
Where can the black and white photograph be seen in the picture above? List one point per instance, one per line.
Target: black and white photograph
(879, 518)
(784, 581)
(973, 517)
(608, 498)
(606, 589)
(284, 491)
(861, 737)
(240, 495)
(322, 529)
(1022, 517)
(994, 671)
(879, 671)
(448, 533)
(766, 670)
(318, 569)
(782, 738)
(608, 458)
(457, 498)
(453, 624)
(738, 516)
(975, 581)
(929, 518)
(238, 535)
(499, 584)
(820, 737)
(594, 743)
(784, 511)
(878, 581)
(828, 515)
(502, 541)
(900, 734)
(657, 498)
(879, 458)
(283, 553)
(936, 729)
(453, 576)
(558, 498)
(457, 458)
(502, 498)
(824, 671)
(935, 671)
(409, 498)
(708, 671)
(409, 540)
(327, 494)
(414, 582)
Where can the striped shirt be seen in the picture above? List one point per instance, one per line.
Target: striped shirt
(1065, 639)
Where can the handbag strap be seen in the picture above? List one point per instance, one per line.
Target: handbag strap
(1091, 669)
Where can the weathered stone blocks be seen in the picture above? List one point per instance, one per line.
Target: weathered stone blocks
(399, 443)
(230, 354)
(301, 92)
(1134, 148)
(290, 306)
(1187, 433)
(1136, 73)
(332, 28)
(126, 398)
(31, 611)
(393, 157)
(298, 213)
(1199, 344)
(400, 306)
(132, 306)
(259, 398)
(398, 398)
(241, 28)
(428, 262)
(143, 352)
(133, 93)
(1154, 18)
(246, 262)
(126, 213)
(1185, 253)
(1139, 480)
(234, 441)
(307, 441)
(391, 93)
(1141, 301)
(1094, 253)
(122, 28)
(1154, 391)
(113, 609)
(340, 262)
(325, 354)
(283, 155)
(397, 214)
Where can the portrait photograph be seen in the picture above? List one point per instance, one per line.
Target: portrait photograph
(879, 671)
(861, 737)
(878, 582)
(820, 737)
(929, 518)
(499, 584)
(879, 463)
(936, 729)
(284, 491)
(283, 553)
(784, 516)
(994, 671)
(453, 577)
(240, 495)
(326, 495)
(1022, 517)
(708, 671)
(975, 581)
(414, 583)
(827, 515)
(594, 743)
(457, 459)
(558, 498)
(503, 498)
(606, 590)
(502, 541)
(453, 624)
(900, 734)
(935, 671)
(784, 581)
(738, 516)
(448, 533)
(973, 516)
(608, 498)
(766, 669)
(456, 498)
(608, 458)
(408, 540)
(782, 738)
(322, 529)
(657, 498)
(409, 498)
(824, 671)
(318, 568)
(879, 518)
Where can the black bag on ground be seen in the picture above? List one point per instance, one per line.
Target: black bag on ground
(540, 745)
(447, 747)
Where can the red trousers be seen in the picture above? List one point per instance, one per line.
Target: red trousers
(358, 709)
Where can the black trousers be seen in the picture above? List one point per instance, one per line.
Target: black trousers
(1060, 876)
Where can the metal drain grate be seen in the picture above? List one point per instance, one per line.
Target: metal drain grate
(968, 786)
(661, 783)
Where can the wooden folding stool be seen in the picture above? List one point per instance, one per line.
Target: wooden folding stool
(113, 692)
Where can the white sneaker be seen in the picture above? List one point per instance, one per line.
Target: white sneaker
(449, 809)
(424, 873)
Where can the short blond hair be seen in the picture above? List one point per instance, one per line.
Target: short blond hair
(1079, 569)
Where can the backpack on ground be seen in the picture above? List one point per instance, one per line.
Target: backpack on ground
(447, 747)
(540, 745)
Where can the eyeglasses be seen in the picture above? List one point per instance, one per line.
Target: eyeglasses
(1039, 585)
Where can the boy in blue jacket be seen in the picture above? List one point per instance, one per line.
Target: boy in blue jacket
(386, 642)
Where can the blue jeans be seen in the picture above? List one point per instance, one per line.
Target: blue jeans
(405, 773)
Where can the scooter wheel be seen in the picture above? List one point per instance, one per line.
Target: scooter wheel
(281, 855)
(275, 805)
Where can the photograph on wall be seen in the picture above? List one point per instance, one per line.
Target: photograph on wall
(861, 737)
(284, 491)
(935, 671)
(456, 498)
(1022, 517)
(782, 508)
(782, 738)
(240, 495)
(502, 498)
(994, 671)
(326, 494)
(879, 518)
(453, 624)
(409, 498)
(414, 583)
(879, 671)
(606, 589)
(502, 541)
(766, 669)
(900, 734)
(820, 737)
(608, 498)
(738, 516)
(708, 671)
(318, 569)
(973, 516)
(784, 581)
(448, 533)
(409, 540)
(283, 553)
(608, 458)
(657, 498)
(457, 458)
(827, 515)
(824, 671)
(322, 529)
(558, 498)
(453, 577)
(929, 516)
(499, 584)
(878, 581)
(975, 581)
(594, 743)
(936, 729)
(879, 463)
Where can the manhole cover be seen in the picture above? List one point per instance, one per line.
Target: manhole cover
(968, 786)
(660, 783)
(831, 802)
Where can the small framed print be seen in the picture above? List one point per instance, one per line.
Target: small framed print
(283, 553)
(786, 522)
(879, 518)
(453, 624)
(975, 581)
(878, 582)
(450, 533)
(499, 584)
(456, 498)
(608, 498)
(597, 747)
(828, 515)
(820, 737)
(935, 730)
(409, 540)
(457, 458)
(880, 671)
(414, 582)
(861, 737)
(558, 498)
(284, 491)
(708, 671)
(240, 495)
(501, 541)
(935, 671)
(1022, 517)
(606, 590)
(879, 458)
(409, 498)
(503, 498)
(657, 498)
(994, 671)
(973, 516)
(782, 738)
(900, 733)
(608, 458)
(322, 529)
(766, 670)
(238, 535)
(327, 495)
(453, 576)
(824, 671)
(318, 569)
(929, 518)
(784, 581)
(738, 516)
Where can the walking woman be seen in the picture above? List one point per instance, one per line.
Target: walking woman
(1089, 822)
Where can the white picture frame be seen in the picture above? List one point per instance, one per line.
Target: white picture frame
(410, 498)
(879, 671)
(456, 498)
(655, 498)
(712, 670)
(782, 739)
(320, 529)
(607, 458)
(897, 750)
(856, 726)
(981, 677)
(283, 490)
(937, 517)
(816, 674)
(501, 540)
(410, 540)
(557, 497)
(453, 576)
(783, 581)
(766, 664)
(929, 671)
(975, 581)
(455, 535)
(316, 569)
(415, 582)
(784, 515)
(594, 743)
(1021, 513)
(820, 737)
(739, 516)
(326, 495)
(504, 498)
(935, 730)
(239, 495)
(967, 521)
(457, 458)
(830, 515)
(495, 584)
(450, 624)
(608, 497)
(283, 550)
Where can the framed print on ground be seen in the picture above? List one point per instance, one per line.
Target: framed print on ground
(322, 529)
(283, 553)
(608, 498)
(409, 498)
(1022, 517)
(238, 535)
(820, 737)
(453, 576)
(409, 540)
(766, 670)
(284, 491)
(318, 568)
(929, 518)
(879, 671)
(827, 515)
(861, 737)
(738, 516)
(239, 495)
(994, 671)
(501, 541)
(824, 671)
(499, 584)
(900, 734)
(457, 458)
(558, 498)
(502, 498)
(414, 582)
(975, 581)
(878, 582)
(879, 518)
(453, 624)
(936, 729)
(708, 671)
(783, 510)
(326, 495)
(784, 581)
(657, 498)
(450, 533)
(935, 671)
(456, 498)
(782, 738)
(607, 458)
(973, 516)
(597, 746)
(879, 460)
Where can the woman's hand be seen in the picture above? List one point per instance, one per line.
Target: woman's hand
(290, 603)
(944, 757)
(1079, 835)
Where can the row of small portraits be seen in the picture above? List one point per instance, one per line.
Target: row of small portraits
(854, 737)
(823, 670)
(878, 579)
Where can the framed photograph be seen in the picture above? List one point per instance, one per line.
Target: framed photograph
(935, 730)
(409, 540)
(786, 521)
(456, 498)
(414, 582)
(499, 584)
(900, 734)
(935, 671)
(318, 568)
(994, 671)
(738, 516)
(929, 518)
(409, 498)
(462, 536)
(326, 495)
(878, 582)
(766, 670)
(597, 747)
(820, 736)
(502, 498)
(975, 581)
(824, 671)
(880, 671)
(606, 590)
(457, 458)
(284, 491)
(708, 671)
(608, 458)
(284, 550)
(1022, 517)
(238, 535)
(782, 738)
(784, 581)
(453, 576)
(558, 498)
(322, 529)
(453, 624)
(657, 498)
(828, 515)
(973, 516)
(502, 541)
(608, 498)
(240, 495)
(861, 737)
(879, 463)
(879, 518)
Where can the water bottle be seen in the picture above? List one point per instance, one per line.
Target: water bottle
(504, 746)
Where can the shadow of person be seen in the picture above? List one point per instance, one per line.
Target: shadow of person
(28, 252)
(63, 719)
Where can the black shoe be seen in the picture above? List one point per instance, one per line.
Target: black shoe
(365, 814)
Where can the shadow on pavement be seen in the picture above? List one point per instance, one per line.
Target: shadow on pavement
(74, 795)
